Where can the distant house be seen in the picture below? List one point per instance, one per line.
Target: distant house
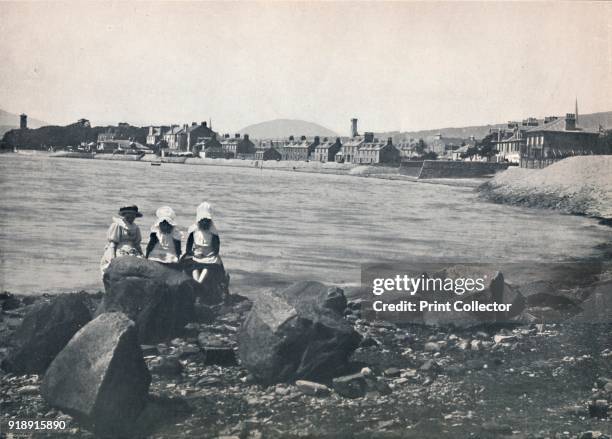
(511, 141)
(269, 150)
(377, 152)
(327, 150)
(267, 153)
(184, 138)
(348, 152)
(211, 148)
(238, 147)
(554, 140)
(155, 134)
(300, 150)
(174, 139)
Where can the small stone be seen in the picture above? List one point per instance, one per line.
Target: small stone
(475, 345)
(311, 388)
(432, 347)
(498, 338)
(222, 356)
(368, 342)
(464, 345)
(494, 427)
(598, 408)
(148, 350)
(28, 390)
(366, 371)
(430, 366)
(350, 386)
(392, 372)
(169, 366)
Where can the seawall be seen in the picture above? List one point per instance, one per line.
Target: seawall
(576, 185)
(458, 169)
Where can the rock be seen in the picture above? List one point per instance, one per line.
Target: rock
(368, 342)
(494, 427)
(100, 377)
(222, 356)
(431, 347)
(149, 350)
(8, 301)
(430, 366)
(168, 366)
(496, 290)
(592, 435)
(598, 307)
(498, 338)
(311, 388)
(45, 330)
(598, 408)
(392, 372)
(297, 333)
(350, 386)
(159, 299)
(28, 390)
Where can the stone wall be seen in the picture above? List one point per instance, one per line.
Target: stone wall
(459, 169)
(411, 168)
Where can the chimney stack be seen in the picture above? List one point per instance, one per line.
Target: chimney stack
(354, 128)
(369, 137)
(23, 121)
(390, 141)
(246, 137)
(237, 136)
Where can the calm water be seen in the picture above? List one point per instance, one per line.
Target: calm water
(274, 226)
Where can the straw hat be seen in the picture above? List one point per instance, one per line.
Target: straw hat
(130, 209)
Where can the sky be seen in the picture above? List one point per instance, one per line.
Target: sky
(395, 66)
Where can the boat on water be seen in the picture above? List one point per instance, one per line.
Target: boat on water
(155, 163)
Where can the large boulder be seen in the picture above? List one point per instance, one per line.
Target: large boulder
(297, 333)
(100, 377)
(159, 298)
(45, 330)
(495, 290)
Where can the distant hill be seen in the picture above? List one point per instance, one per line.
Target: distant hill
(9, 121)
(588, 121)
(281, 128)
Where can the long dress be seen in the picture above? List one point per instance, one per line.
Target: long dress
(165, 248)
(124, 239)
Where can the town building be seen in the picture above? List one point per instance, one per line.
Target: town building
(377, 152)
(155, 134)
(348, 152)
(556, 139)
(511, 140)
(327, 150)
(238, 147)
(210, 148)
(300, 150)
(120, 145)
(266, 152)
(184, 138)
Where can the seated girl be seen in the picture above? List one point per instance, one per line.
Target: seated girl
(165, 240)
(203, 245)
(123, 237)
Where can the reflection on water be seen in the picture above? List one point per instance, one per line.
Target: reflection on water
(274, 226)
